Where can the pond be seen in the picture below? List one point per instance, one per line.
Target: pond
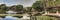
(14, 18)
(8, 17)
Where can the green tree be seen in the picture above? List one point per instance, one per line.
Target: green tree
(12, 8)
(29, 9)
(38, 6)
(19, 7)
(52, 2)
(3, 8)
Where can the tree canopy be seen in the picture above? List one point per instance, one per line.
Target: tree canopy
(38, 5)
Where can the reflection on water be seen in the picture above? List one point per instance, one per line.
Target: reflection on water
(10, 18)
(10, 12)
(25, 17)
(14, 18)
(1, 18)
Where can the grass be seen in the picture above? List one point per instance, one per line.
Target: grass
(45, 18)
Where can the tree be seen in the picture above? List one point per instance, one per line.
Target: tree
(12, 8)
(57, 2)
(29, 9)
(38, 6)
(53, 3)
(3, 8)
(19, 7)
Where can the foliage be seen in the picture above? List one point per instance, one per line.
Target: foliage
(12, 7)
(1, 11)
(19, 7)
(52, 3)
(3, 8)
(53, 10)
(29, 9)
(45, 18)
(38, 5)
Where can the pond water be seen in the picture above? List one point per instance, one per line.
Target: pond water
(14, 18)
(10, 18)
(10, 12)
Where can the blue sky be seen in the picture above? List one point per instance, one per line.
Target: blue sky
(15, 2)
